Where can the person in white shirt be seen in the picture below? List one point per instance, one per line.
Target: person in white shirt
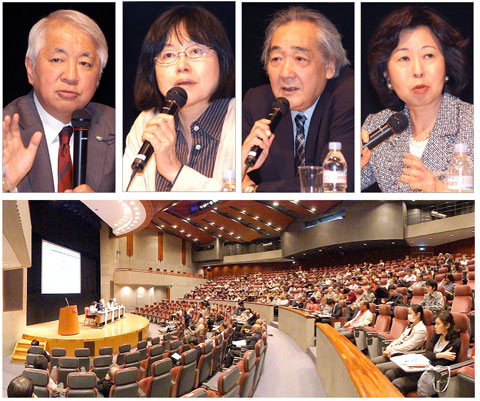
(413, 338)
(363, 318)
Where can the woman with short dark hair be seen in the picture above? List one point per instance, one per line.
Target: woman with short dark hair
(418, 65)
(186, 47)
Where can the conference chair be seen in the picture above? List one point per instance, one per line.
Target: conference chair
(462, 301)
(205, 362)
(185, 375)
(30, 360)
(176, 346)
(399, 324)
(159, 384)
(264, 338)
(417, 295)
(154, 354)
(132, 359)
(247, 372)
(101, 364)
(105, 351)
(227, 384)
(35, 349)
(142, 348)
(81, 385)
(259, 357)
(122, 350)
(382, 324)
(462, 322)
(125, 383)
(429, 323)
(471, 280)
(217, 354)
(56, 354)
(88, 316)
(66, 365)
(83, 356)
(197, 393)
(40, 379)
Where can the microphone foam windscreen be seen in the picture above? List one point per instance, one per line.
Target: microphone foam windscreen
(398, 122)
(81, 118)
(282, 104)
(178, 95)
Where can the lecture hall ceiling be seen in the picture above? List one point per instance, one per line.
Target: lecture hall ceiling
(236, 221)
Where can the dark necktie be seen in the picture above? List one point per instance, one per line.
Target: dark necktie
(65, 167)
(300, 140)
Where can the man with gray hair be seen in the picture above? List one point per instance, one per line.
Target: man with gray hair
(306, 64)
(66, 55)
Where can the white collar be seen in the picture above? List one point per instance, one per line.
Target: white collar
(51, 125)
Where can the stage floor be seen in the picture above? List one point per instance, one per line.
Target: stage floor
(129, 329)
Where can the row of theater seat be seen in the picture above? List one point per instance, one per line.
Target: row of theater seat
(150, 369)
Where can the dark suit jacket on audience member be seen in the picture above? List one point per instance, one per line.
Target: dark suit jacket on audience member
(253, 340)
(332, 121)
(104, 386)
(100, 155)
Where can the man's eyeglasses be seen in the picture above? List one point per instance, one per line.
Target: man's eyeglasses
(194, 52)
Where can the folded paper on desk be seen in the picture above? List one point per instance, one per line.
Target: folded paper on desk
(239, 343)
(411, 362)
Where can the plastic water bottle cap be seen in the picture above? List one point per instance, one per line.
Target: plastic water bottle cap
(335, 146)
(460, 147)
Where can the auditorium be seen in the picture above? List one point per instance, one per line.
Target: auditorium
(237, 298)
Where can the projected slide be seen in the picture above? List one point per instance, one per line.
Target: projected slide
(60, 270)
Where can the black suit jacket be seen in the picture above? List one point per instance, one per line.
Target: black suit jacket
(100, 154)
(332, 121)
(253, 340)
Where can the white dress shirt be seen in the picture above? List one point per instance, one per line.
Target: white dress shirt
(51, 128)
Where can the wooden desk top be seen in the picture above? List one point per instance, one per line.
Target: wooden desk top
(368, 380)
(299, 311)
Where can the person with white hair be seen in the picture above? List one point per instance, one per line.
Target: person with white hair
(67, 52)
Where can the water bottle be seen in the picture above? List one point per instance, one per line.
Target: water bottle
(460, 171)
(228, 181)
(335, 169)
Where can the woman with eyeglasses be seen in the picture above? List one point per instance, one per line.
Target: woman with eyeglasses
(186, 47)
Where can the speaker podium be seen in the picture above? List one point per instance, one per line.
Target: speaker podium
(68, 321)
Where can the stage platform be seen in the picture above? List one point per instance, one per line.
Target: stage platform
(129, 329)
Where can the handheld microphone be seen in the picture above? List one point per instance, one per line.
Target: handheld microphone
(81, 120)
(175, 99)
(396, 124)
(280, 106)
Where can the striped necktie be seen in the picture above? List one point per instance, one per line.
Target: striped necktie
(65, 167)
(300, 140)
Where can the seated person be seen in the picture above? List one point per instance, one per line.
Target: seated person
(442, 350)
(41, 362)
(256, 335)
(20, 386)
(394, 298)
(101, 305)
(35, 343)
(367, 295)
(312, 305)
(433, 299)
(104, 385)
(93, 308)
(412, 338)
(449, 285)
(364, 317)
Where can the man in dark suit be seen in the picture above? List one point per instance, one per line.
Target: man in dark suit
(250, 344)
(66, 55)
(306, 64)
